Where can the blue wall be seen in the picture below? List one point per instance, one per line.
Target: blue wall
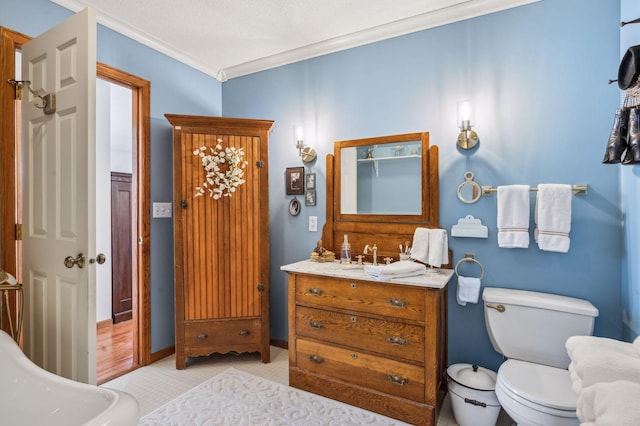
(175, 88)
(544, 111)
(538, 76)
(630, 187)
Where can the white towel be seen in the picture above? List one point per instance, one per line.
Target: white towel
(610, 404)
(636, 345)
(553, 217)
(513, 216)
(401, 269)
(603, 366)
(584, 346)
(468, 290)
(430, 246)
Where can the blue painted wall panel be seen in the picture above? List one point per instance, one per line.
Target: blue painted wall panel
(538, 77)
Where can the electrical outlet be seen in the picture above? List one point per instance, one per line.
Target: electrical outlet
(313, 223)
(162, 209)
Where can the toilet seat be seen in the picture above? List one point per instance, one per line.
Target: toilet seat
(539, 387)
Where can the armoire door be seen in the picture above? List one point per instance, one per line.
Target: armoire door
(121, 272)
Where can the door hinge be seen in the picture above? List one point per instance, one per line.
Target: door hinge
(261, 287)
(18, 232)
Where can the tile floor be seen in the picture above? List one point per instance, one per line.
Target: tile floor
(159, 383)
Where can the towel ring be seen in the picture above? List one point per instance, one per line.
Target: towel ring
(469, 259)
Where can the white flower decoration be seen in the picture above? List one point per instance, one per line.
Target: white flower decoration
(224, 170)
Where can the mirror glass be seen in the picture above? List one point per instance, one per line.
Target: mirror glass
(469, 191)
(382, 179)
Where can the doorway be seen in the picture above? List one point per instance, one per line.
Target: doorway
(10, 214)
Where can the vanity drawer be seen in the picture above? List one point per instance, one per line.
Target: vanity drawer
(390, 338)
(219, 335)
(398, 301)
(381, 374)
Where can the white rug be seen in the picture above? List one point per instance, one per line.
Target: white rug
(234, 397)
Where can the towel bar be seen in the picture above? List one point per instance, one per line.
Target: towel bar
(469, 258)
(578, 189)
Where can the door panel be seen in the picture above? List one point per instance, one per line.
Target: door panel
(59, 198)
(121, 237)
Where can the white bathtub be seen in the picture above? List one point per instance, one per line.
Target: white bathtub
(30, 395)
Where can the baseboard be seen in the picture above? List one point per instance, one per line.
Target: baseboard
(284, 344)
(104, 324)
(157, 356)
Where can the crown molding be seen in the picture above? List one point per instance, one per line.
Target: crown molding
(465, 10)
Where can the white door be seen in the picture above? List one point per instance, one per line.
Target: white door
(58, 193)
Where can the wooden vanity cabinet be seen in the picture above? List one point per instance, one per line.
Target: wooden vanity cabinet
(221, 246)
(375, 345)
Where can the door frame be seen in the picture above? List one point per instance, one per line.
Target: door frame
(10, 42)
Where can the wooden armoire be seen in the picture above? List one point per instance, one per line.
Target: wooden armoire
(221, 245)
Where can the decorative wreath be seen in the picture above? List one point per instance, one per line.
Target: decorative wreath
(224, 170)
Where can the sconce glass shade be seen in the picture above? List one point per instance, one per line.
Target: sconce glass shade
(298, 137)
(467, 138)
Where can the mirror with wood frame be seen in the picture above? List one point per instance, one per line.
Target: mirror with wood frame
(379, 190)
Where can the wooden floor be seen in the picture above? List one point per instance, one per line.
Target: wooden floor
(114, 352)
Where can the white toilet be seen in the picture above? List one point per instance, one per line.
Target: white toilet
(530, 330)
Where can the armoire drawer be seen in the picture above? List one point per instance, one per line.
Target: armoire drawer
(221, 333)
(386, 299)
(390, 338)
(381, 374)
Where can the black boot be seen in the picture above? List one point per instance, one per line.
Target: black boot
(618, 139)
(633, 151)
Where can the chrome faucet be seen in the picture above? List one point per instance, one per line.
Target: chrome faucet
(374, 249)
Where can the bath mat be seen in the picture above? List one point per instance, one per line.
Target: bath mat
(234, 397)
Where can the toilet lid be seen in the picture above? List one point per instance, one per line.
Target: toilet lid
(540, 384)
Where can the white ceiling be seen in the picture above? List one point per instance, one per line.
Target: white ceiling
(230, 38)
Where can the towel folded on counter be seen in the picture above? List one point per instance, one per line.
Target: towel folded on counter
(401, 269)
(513, 216)
(468, 290)
(610, 404)
(553, 217)
(430, 246)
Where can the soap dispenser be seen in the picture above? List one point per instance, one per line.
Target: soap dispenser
(345, 251)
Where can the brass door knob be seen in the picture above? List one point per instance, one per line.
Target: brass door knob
(71, 261)
(99, 259)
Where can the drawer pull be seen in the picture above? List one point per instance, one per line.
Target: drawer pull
(315, 324)
(397, 340)
(396, 379)
(244, 332)
(315, 291)
(202, 336)
(316, 359)
(397, 303)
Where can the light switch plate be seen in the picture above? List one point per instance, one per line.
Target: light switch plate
(162, 209)
(313, 223)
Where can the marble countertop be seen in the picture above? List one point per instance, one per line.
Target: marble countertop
(434, 277)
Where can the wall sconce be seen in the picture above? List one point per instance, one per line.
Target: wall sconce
(467, 138)
(307, 153)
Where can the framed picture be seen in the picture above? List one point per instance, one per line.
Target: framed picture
(294, 180)
(310, 181)
(294, 207)
(310, 197)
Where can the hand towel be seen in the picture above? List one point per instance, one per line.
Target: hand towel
(420, 245)
(610, 404)
(513, 216)
(438, 248)
(430, 246)
(468, 290)
(636, 345)
(553, 217)
(401, 269)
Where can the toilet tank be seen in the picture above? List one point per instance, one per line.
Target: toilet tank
(535, 326)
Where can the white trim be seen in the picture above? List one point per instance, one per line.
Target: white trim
(461, 11)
